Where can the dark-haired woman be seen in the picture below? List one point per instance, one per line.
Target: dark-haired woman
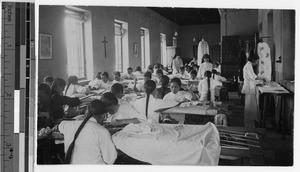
(164, 89)
(207, 87)
(149, 104)
(205, 66)
(250, 90)
(86, 140)
(57, 100)
(73, 89)
(120, 113)
(176, 95)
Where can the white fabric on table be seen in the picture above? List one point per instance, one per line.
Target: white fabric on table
(165, 144)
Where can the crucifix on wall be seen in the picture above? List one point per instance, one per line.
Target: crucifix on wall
(104, 43)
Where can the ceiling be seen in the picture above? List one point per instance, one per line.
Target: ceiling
(189, 16)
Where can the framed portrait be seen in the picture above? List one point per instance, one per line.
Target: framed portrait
(135, 50)
(45, 47)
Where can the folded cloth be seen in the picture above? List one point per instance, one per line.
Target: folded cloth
(170, 144)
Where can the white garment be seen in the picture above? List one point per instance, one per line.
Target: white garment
(138, 74)
(167, 144)
(249, 79)
(176, 64)
(178, 97)
(251, 113)
(218, 69)
(93, 145)
(203, 48)
(219, 78)
(128, 76)
(120, 82)
(265, 66)
(75, 89)
(126, 111)
(203, 89)
(99, 84)
(185, 75)
(205, 66)
(154, 104)
(193, 61)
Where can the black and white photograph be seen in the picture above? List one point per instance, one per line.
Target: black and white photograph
(145, 84)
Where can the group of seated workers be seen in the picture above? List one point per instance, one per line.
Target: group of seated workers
(93, 140)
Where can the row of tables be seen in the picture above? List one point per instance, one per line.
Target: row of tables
(232, 141)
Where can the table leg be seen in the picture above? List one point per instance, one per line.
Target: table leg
(264, 114)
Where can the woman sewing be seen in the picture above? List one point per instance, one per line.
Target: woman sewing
(251, 112)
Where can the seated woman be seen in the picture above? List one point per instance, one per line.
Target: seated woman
(57, 100)
(48, 80)
(119, 114)
(205, 66)
(43, 106)
(73, 89)
(117, 78)
(150, 104)
(102, 83)
(158, 77)
(87, 141)
(177, 95)
(164, 89)
(183, 73)
(139, 85)
(207, 87)
(129, 74)
(217, 76)
(193, 86)
(138, 72)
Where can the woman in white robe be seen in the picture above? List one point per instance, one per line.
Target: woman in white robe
(251, 112)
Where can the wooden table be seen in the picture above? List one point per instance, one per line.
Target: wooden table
(273, 89)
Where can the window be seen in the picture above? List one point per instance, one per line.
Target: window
(145, 48)
(75, 38)
(121, 46)
(163, 49)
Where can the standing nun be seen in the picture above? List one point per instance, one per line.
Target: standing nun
(251, 112)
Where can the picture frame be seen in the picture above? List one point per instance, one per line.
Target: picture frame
(45, 47)
(135, 50)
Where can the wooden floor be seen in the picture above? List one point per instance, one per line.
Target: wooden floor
(280, 145)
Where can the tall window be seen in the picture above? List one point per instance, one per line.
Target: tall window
(145, 48)
(121, 46)
(163, 49)
(75, 41)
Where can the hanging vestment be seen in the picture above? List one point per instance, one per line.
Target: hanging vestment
(265, 67)
(203, 48)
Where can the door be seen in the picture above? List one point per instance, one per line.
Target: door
(230, 56)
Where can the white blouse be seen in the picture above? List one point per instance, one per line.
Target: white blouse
(154, 104)
(203, 89)
(205, 66)
(99, 84)
(178, 97)
(75, 89)
(249, 79)
(93, 145)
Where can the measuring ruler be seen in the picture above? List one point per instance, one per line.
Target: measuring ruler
(16, 86)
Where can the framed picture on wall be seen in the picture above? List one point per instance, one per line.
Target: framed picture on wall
(45, 46)
(135, 50)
